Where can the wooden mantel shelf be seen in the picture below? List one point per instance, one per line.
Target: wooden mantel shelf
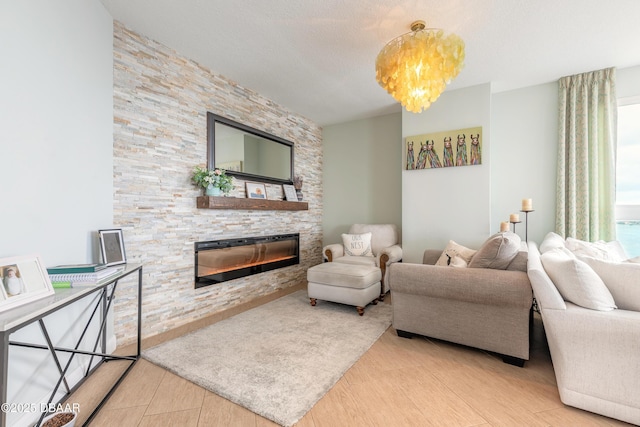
(211, 202)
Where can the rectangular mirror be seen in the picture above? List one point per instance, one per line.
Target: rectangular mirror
(248, 153)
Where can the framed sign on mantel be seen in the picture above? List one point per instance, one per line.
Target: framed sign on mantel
(290, 193)
(256, 190)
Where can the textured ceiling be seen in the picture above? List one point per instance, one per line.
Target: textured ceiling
(317, 57)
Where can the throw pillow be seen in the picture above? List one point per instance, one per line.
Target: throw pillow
(616, 251)
(609, 251)
(576, 281)
(452, 251)
(357, 244)
(497, 251)
(621, 278)
(458, 261)
(551, 241)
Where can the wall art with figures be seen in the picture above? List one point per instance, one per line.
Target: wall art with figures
(462, 147)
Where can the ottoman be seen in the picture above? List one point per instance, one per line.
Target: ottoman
(351, 284)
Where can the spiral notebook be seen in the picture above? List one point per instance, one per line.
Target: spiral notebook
(86, 278)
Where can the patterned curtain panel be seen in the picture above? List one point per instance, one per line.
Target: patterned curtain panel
(586, 188)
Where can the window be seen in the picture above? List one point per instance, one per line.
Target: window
(628, 176)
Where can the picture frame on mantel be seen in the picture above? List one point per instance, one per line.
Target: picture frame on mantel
(256, 190)
(23, 279)
(290, 193)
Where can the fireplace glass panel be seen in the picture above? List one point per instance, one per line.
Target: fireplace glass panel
(222, 260)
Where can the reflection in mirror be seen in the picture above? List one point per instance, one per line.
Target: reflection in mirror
(248, 153)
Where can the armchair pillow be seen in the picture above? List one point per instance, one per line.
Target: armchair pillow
(497, 251)
(357, 244)
(576, 281)
(455, 255)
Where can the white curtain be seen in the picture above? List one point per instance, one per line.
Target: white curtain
(586, 186)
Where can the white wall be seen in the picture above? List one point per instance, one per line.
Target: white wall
(56, 116)
(519, 161)
(524, 137)
(628, 82)
(361, 179)
(445, 204)
(525, 143)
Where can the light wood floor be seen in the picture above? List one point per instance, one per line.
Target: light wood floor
(398, 382)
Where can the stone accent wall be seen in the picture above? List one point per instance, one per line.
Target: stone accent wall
(160, 105)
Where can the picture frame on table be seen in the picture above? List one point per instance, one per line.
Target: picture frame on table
(290, 193)
(112, 246)
(256, 190)
(23, 279)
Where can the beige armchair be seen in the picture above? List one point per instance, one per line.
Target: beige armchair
(384, 245)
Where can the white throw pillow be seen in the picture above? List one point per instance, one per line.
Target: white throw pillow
(622, 280)
(608, 251)
(357, 244)
(576, 281)
(551, 241)
(616, 251)
(455, 254)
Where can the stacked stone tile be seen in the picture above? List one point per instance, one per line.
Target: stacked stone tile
(160, 105)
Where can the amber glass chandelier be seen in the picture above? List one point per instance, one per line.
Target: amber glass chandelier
(416, 67)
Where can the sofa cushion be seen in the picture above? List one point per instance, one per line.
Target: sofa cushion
(357, 260)
(497, 251)
(343, 275)
(551, 241)
(621, 278)
(576, 281)
(357, 244)
(455, 255)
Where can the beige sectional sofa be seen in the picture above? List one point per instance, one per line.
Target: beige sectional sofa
(485, 308)
(596, 350)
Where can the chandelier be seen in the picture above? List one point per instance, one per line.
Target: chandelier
(416, 67)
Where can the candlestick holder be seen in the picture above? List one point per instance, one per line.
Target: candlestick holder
(526, 223)
(514, 224)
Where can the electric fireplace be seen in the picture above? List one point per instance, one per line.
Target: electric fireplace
(217, 261)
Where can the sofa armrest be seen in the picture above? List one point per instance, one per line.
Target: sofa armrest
(595, 352)
(476, 285)
(333, 251)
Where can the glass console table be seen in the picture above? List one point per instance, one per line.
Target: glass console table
(14, 319)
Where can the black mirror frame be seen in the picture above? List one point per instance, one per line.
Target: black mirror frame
(211, 145)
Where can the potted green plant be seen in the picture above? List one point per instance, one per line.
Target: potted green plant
(214, 181)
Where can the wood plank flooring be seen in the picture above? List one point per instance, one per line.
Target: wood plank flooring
(397, 382)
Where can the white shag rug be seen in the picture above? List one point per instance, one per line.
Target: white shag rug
(278, 359)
